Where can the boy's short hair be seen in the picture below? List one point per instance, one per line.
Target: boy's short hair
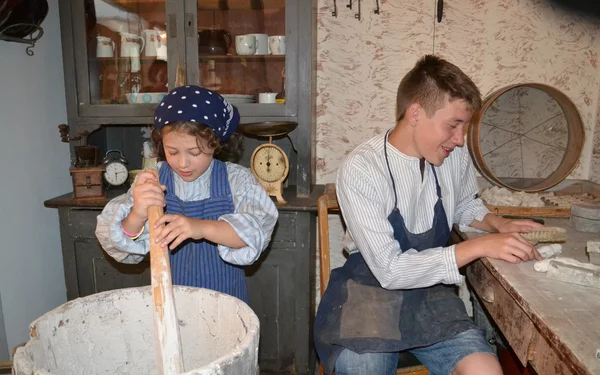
(431, 82)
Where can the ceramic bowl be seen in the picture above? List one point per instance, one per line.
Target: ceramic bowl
(145, 97)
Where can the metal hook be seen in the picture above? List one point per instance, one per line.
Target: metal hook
(334, 13)
(376, 11)
(357, 15)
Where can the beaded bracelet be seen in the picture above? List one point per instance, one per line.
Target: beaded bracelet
(132, 236)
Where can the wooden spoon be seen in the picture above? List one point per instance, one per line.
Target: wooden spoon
(167, 340)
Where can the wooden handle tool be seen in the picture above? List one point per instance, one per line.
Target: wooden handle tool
(167, 341)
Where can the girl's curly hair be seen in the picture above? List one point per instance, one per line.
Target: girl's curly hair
(231, 150)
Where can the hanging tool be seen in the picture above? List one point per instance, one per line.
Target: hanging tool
(167, 340)
(440, 10)
(349, 5)
(376, 11)
(357, 15)
(334, 13)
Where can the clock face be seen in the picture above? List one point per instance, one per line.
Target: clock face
(270, 164)
(116, 173)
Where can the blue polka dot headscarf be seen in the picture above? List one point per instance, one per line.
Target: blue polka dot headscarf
(197, 104)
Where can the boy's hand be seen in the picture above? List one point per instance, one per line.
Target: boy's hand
(511, 247)
(517, 226)
(177, 229)
(146, 193)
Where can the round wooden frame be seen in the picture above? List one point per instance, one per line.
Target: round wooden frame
(576, 138)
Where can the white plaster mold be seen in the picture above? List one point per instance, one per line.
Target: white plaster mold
(112, 333)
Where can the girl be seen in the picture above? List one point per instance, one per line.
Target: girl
(217, 216)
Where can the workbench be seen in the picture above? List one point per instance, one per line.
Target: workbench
(551, 325)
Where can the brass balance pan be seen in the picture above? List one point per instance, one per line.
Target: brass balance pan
(267, 128)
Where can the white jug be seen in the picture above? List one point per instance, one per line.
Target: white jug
(130, 45)
(105, 47)
(153, 43)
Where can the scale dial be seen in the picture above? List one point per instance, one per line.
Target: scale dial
(270, 163)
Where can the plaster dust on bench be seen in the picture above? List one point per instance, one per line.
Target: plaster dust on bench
(570, 271)
(112, 333)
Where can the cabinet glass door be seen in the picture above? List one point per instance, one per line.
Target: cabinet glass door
(124, 69)
(242, 50)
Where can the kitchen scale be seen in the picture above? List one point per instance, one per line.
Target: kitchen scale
(269, 163)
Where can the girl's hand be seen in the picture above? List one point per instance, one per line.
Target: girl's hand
(177, 229)
(146, 193)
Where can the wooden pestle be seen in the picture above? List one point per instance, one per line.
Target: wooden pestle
(167, 340)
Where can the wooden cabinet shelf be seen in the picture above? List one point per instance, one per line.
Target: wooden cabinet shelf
(116, 60)
(135, 5)
(241, 4)
(237, 58)
(203, 58)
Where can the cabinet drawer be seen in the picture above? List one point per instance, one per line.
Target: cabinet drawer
(284, 235)
(507, 314)
(547, 361)
(98, 272)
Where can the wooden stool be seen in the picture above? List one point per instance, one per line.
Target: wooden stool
(327, 203)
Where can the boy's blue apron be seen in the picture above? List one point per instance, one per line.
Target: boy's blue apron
(356, 313)
(198, 263)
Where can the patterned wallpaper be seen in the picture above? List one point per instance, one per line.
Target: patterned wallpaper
(594, 174)
(497, 43)
(359, 66)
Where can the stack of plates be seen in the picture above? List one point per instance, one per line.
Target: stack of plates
(239, 99)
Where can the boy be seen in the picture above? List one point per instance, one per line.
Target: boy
(400, 192)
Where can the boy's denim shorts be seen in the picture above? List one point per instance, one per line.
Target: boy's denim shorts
(440, 358)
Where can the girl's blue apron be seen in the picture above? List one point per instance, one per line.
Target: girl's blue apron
(198, 263)
(356, 313)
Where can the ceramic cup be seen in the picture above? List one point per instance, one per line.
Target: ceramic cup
(277, 44)
(267, 97)
(245, 44)
(105, 47)
(262, 44)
